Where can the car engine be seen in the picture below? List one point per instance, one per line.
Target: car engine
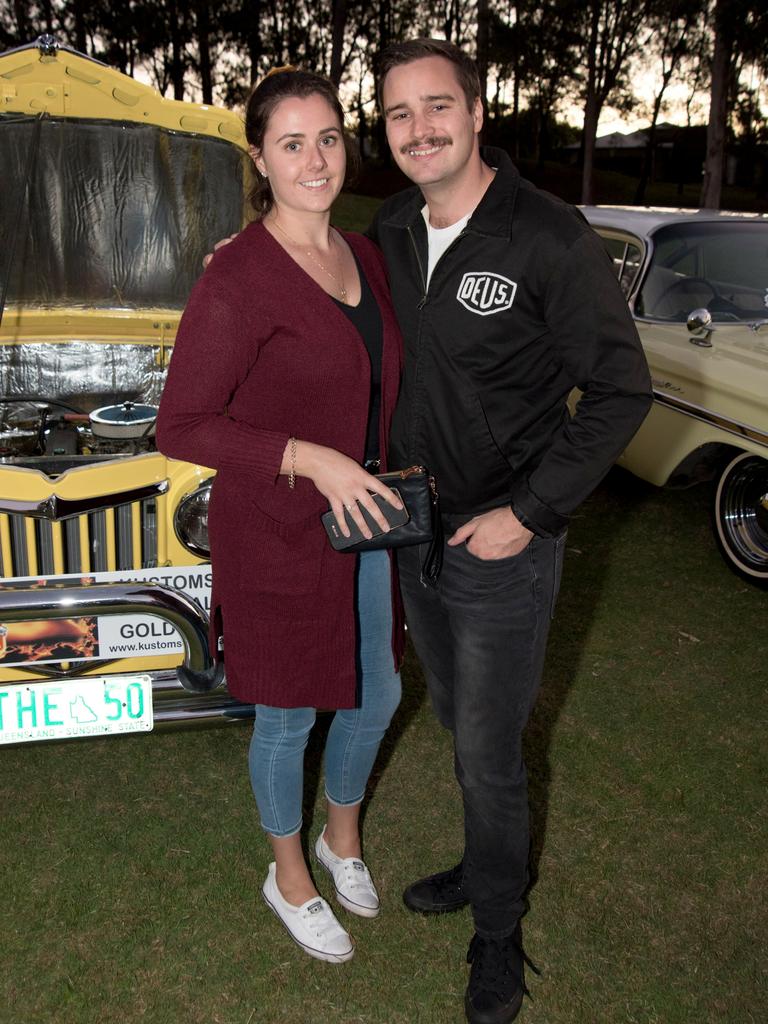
(73, 403)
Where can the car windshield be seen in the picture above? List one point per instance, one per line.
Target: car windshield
(721, 267)
(116, 215)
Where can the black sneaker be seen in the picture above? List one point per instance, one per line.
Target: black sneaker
(497, 980)
(437, 894)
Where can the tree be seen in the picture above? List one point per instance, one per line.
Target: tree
(483, 27)
(338, 32)
(389, 21)
(551, 48)
(672, 27)
(16, 23)
(533, 47)
(202, 13)
(722, 57)
(611, 38)
(740, 32)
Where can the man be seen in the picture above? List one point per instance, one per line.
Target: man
(506, 301)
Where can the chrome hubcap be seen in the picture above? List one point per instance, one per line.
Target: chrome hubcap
(742, 513)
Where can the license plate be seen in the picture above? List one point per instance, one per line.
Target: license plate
(63, 709)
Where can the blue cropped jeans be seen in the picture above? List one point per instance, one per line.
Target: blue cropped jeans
(280, 735)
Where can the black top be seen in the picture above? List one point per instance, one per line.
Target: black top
(366, 317)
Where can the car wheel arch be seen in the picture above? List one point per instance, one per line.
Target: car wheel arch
(703, 464)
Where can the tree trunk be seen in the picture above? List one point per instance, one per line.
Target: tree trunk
(385, 35)
(497, 99)
(362, 121)
(712, 185)
(645, 174)
(591, 117)
(337, 39)
(80, 37)
(47, 16)
(535, 134)
(177, 66)
(449, 20)
(674, 46)
(176, 69)
(483, 29)
(591, 110)
(543, 135)
(252, 14)
(23, 28)
(204, 49)
(292, 26)
(516, 116)
(276, 40)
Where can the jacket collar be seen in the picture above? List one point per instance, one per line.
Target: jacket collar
(495, 212)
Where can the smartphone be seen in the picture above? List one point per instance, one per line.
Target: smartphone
(394, 516)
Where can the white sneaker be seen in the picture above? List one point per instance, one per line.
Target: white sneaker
(354, 886)
(312, 926)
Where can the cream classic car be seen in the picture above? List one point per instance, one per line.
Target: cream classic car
(697, 285)
(111, 197)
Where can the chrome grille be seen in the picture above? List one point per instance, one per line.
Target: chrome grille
(122, 537)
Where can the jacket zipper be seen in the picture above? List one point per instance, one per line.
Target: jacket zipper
(422, 275)
(420, 306)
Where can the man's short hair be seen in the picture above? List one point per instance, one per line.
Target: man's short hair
(395, 54)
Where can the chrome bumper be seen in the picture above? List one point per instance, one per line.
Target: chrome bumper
(200, 674)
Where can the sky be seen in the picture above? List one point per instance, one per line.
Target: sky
(646, 84)
(676, 96)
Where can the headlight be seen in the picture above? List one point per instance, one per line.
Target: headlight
(191, 520)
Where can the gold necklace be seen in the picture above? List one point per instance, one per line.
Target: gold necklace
(339, 281)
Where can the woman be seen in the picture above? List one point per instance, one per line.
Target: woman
(283, 379)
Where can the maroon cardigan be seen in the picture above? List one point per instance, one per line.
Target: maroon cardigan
(263, 354)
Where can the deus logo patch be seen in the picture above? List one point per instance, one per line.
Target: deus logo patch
(484, 293)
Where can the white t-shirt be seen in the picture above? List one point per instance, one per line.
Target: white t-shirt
(439, 239)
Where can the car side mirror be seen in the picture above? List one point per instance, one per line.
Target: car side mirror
(699, 324)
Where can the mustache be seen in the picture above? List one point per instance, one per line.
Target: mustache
(433, 140)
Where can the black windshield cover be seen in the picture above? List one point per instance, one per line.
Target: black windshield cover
(117, 215)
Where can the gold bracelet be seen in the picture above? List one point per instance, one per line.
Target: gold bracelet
(292, 471)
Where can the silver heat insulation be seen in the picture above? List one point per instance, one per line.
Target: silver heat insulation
(83, 375)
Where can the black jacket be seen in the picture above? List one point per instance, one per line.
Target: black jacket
(522, 308)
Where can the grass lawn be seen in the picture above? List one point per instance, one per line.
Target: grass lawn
(132, 867)
(353, 212)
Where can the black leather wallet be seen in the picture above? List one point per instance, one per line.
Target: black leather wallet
(394, 516)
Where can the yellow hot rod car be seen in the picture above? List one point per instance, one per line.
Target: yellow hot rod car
(111, 197)
(697, 285)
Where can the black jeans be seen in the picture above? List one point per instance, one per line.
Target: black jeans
(481, 637)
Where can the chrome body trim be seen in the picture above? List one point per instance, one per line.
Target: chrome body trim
(55, 509)
(713, 418)
(199, 673)
(755, 326)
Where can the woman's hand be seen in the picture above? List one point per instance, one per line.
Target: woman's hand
(344, 482)
(219, 245)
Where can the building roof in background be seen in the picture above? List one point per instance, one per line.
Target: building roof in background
(627, 140)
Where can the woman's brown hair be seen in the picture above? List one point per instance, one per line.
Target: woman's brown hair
(277, 86)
